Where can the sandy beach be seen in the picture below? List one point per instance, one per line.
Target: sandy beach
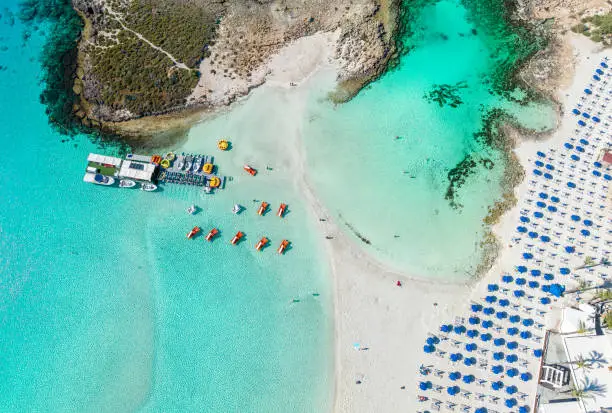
(380, 327)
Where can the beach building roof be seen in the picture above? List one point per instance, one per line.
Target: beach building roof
(105, 160)
(137, 170)
(561, 407)
(572, 319)
(607, 157)
(596, 351)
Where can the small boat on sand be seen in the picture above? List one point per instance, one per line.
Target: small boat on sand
(237, 208)
(192, 209)
(236, 238)
(252, 171)
(262, 243)
(283, 246)
(127, 183)
(212, 234)
(148, 187)
(193, 232)
(263, 208)
(281, 210)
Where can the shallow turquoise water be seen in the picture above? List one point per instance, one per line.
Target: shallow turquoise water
(381, 161)
(105, 306)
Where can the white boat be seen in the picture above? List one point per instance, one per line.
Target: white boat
(197, 164)
(148, 187)
(192, 209)
(188, 162)
(127, 183)
(237, 208)
(98, 179)
(180, 163)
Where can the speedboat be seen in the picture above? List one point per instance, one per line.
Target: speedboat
(252, 171)
(193, 232)
(283, 246)
(237, 208)
(263, 208)
(281, 210)
(99, 179)
(236, 238)
(212, 234)
(188, 163)
(197, 164)
(127, 183)
(262, 243)
(192, 209)
(148, 187)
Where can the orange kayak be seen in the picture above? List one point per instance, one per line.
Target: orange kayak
(212, 234)
(283, 246)
(281, 210)
(193, 232)
(262, 243)
(262, 209)
(252, 171)
(236, 238)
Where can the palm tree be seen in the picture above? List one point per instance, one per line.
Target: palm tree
(588, 390)
(581, 328)
(581, 363)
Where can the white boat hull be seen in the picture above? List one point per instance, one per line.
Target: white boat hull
(127, 183)
(148, 187)
(91, 178)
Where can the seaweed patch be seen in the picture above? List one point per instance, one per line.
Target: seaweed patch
(446, 95)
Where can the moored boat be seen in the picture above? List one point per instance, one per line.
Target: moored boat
(283, 246)
(237, 208)
(127, 183)
(236, 238)
(252, 171)
(188, 163)
(99, 179)
(192, 209)
(281, 210)
(261, 243)
(193, 232)
(263, 208)
(211, 234)
(197, 164)
(180, 163)
(148, 187)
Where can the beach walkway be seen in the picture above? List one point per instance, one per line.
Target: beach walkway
(488, 359)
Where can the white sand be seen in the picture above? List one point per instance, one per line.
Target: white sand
(390, 321)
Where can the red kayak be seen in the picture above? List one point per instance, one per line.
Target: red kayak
(193, 232)
(252, 171)
(281, 210)
(212, 234)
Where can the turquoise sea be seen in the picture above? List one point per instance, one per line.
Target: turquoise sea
(104, 306)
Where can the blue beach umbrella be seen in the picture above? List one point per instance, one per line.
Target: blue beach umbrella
(510, 403)
(541, 154)
(533, 284)
(538, 214)
(511, 389)
(604, 65)
(456, 357)
(485, 337)
(425, 385)
(512, 345)
(504, 303)
(446, 328)
(455, 375)
(552, 208)
(532, 234)
(588, 91)
(599, 71)
(501, 315)
(497, 385)
(511, 358)
(488, 310)
(490, 299)
(523, 409)
(564, 270)
(487, 324)
(545, 300)
(607, 177)
(596, 119)
(507, 279)
(543, 195)
(596, 173)
(575, 218)
(548, 176)
(575, 111)
(474, 320)
(472, 333)
(569, 249)
(519, 293)
(585, 232)
(584, 141)
(498, 356)
(580, 149)
(524, 219)
(476, 308)
(536, 273)
(537, 353)
(557, 290)
(512, 372)
(527, 322)
(512, 331)
(469, 379)
(469, 361)
(429, 349)
(459, 329)
(471, 347)
(514, 319)
(585, 115)
(573, 158)
(546, 288)
(595, 77)
(540, 204)
(521, 269)
(597, 164)
(587, 222)
(550, 167)
(499, 341)
(480, 410)
(492, 287)
(568, 145)
(521, 229)
(537, 171)
(453, 390)
(525, 335)
(545, 238)
(497, 369)
(539, 163)
(520, 281)
(581, 123)
(570, 184)
(555, 199)
(525, 376)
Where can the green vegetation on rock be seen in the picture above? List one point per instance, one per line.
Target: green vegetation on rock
(598, 28)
